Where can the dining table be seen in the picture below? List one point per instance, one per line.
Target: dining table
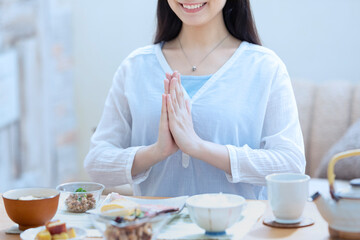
(318, 231)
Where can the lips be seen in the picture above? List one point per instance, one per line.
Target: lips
(192, 7)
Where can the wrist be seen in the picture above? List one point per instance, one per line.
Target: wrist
(195, 148)
(158, 152)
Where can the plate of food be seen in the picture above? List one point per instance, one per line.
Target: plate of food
(54, 230)
(121, 216)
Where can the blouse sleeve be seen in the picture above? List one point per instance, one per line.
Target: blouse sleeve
(281, 146)
(111, 157)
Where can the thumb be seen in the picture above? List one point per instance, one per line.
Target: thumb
(163, 106)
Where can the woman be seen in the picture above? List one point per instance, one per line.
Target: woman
(229, 120)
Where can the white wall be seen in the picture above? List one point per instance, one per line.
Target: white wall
(105, 32)
(317, 40)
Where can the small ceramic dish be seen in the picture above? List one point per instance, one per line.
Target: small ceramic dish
(30, 234)
(31, 207)
(215, 212)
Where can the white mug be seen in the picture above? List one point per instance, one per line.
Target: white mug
(287, 194)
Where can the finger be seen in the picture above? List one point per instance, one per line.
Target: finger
(164, 118)
(168, 76)
(170, 108)
(168, 80)
(166, 86)
(172, 84)
(188, 108)
(177, 75)
(173, 94)
(163, 106)
(179, 95)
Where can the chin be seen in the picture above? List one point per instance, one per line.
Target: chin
(194, 22)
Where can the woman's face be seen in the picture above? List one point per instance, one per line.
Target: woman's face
(197, 12)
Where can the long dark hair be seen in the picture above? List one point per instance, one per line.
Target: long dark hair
(237, 17)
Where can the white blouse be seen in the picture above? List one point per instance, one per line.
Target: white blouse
(247, 105)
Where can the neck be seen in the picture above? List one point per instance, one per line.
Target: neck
(203, 36)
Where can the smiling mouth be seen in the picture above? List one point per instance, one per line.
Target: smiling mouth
(193, 6)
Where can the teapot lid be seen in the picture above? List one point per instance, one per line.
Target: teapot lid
(353, 191)
(355, 182)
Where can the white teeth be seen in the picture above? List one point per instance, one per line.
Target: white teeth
(193, 6)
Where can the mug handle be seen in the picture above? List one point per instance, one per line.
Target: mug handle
(330, 171)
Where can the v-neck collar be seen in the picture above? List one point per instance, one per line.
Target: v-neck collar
(167, 69)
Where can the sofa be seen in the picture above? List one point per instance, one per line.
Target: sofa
(326, 111)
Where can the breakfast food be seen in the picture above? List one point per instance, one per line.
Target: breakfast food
(80, 202)
(43, 235)
(56, 230)
(121, 207)
(142, 231)
(133, 220)
(214, 200)
(56, 227)
(30, 197)
(127, 213)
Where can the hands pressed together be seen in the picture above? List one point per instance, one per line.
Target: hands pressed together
(176, 130)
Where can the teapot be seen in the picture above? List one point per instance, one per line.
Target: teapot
(342, 210)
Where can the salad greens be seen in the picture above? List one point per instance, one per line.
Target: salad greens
(80, 190)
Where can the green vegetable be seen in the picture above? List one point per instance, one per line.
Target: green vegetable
(141, 215)
(138, 214)
(80, 190)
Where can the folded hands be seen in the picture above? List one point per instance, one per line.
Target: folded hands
(176, 130)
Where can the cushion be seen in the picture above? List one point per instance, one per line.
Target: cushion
(325, 109)
(348, 168)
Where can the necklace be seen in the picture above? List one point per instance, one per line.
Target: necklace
(194, 67)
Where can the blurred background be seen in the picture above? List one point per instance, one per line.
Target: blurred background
(58, 57)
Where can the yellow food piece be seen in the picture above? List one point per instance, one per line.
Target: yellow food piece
(60, 236)
(43, 235)
(121, 212)
(138, 211)
(71, 233)
(119, 207)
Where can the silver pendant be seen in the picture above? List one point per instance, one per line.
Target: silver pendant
(194, 68)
